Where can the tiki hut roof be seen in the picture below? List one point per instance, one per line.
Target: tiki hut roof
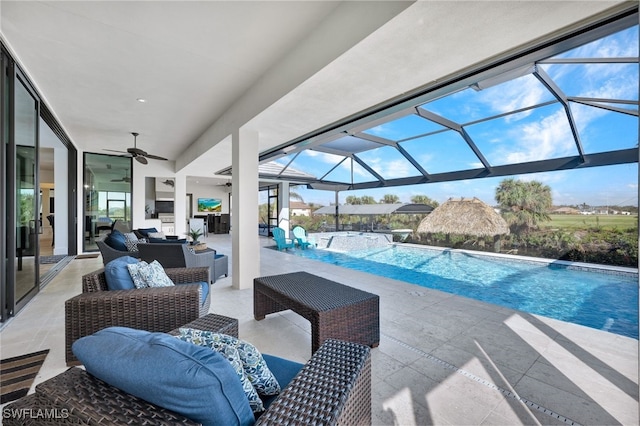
(464, 216)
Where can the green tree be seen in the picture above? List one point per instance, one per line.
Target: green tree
(423, 199)
(523, 204)
(367, 199)
(390, 199)
(352, 199)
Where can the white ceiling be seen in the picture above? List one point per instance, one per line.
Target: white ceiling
(282, 68)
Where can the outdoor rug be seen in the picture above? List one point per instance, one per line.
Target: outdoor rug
(45, 260)
(87, 256)
(17, 374)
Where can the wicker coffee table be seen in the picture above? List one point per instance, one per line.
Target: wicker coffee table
(334, 310)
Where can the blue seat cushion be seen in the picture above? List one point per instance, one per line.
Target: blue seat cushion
(166, 241)
(145, 231)
(205, 290)
(284, 370)
(117, 274)
(191, 380)
(116, 240)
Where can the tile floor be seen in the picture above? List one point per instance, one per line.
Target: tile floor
(442, 359)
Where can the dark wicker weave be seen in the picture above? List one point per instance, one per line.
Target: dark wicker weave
(109, 253)
(334, 310)
(333, 388)
(75, 397)
(151, 309)
(212, 322)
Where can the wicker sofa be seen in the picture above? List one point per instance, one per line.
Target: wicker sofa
(109, 253)
(176, 255)
(333, 387)
(151, 309)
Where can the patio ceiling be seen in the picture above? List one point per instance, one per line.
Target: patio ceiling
(565, 105)
(292, 71)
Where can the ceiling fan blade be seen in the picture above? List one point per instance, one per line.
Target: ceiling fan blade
(141, 160)
(136, 151)
(113, 150)
(155, 157)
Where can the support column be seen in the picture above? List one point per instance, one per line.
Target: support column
(285, 211)
(180, 205)
(244, 209)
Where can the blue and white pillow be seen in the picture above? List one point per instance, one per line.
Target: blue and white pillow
(254, 365)
(151, 274)
(232, 355)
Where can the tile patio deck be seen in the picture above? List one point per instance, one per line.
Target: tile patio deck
(442, 359)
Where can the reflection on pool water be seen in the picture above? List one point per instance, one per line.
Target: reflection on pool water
(602, 300)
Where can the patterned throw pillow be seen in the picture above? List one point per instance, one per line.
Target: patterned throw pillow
(131, 241)
(149, 275)
(159, 235)
(232, 355)
(254, 365)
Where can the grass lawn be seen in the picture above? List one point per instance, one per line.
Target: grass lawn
(574, 221)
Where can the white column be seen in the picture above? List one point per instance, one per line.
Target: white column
(244, 209)
(283, 203)
(180, 205)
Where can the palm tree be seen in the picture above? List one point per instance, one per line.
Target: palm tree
(524, 204)
(423, 199)
(390, 199)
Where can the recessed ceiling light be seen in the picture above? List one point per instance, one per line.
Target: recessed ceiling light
(141, 100)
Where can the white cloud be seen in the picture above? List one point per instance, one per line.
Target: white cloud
(549, 138)
(515, 94)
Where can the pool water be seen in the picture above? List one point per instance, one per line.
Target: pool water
(603, 301)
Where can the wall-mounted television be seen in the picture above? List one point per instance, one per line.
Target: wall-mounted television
(164, 206)
(209, 205)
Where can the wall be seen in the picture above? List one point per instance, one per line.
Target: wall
(208, 191)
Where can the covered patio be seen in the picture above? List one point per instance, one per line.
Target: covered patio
(442, 359)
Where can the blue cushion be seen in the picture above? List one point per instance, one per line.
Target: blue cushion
(116, 240)
(205, 290)
(163, 241)
(284, 370)
(145, 231)
(117, 274)
(191, 380)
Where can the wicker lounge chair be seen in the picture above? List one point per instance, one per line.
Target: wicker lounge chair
(109, 253)
(281, 241)
(333, 387)
(151, 309)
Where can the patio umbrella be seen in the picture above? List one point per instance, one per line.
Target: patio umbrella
(464, 216)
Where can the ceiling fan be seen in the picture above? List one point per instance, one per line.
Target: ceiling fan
(124, 178)
(135, 152)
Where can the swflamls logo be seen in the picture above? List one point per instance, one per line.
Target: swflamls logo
(35, 413)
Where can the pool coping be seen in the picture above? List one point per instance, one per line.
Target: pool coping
(580, 266)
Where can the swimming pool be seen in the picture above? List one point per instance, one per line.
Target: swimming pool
(604, 301)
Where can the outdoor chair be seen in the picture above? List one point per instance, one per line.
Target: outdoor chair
(281, 241)
(332, 388)
(109, 253)
(150, 309)
(300, 236)
(177, 255)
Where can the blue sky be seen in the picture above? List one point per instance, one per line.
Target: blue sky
(530, 135)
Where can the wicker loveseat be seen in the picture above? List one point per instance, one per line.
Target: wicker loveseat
(151, 309)
(176, 255)
(333, 387)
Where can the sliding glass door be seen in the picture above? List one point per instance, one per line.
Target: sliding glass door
(20, 187)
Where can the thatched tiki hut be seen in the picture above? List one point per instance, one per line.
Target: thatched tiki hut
(465, 216)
